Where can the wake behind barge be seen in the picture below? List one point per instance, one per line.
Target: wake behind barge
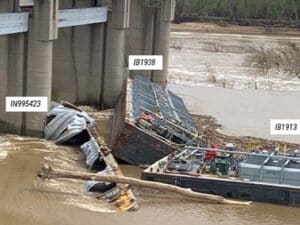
(262, 177)
(150, 122)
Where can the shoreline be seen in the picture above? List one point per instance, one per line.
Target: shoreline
(230, 28)
(213, 131)
(242, 113)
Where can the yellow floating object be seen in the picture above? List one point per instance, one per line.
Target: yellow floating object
(125, 201)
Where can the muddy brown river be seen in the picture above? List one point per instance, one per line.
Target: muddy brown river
(26, 200)
(198, 56)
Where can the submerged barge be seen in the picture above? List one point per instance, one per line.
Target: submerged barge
(150, 122)
(69, 125)
(261, 176)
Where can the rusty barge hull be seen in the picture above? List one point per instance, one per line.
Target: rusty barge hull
(137, 145)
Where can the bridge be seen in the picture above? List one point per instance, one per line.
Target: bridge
(75, 50)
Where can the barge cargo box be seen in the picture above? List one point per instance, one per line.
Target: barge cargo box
(150, 122)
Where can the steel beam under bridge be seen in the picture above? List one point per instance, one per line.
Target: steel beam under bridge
(11, 23)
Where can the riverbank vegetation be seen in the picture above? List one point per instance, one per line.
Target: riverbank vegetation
(285, 58)
(267, 10)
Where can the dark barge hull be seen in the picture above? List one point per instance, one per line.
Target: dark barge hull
(250, 191)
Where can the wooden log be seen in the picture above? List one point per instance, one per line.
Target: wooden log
(48, 172)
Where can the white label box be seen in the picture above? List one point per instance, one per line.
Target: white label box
(145, 62)
(285, 127)
(26, 104)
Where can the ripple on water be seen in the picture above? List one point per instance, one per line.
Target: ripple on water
(10, 144)
(64, 191)
(3, 154)
(6, 147)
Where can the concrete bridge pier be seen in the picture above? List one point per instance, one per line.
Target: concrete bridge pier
(15, 80)
(149, 33)
(162, 38)
(95, 81)
(88, 63)
(4, 42)
(78, 55)
(40, 49)
(114, 74)
(11, 71)
(140, 35)
(81, 38)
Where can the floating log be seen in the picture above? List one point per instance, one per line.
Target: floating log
(48, 172)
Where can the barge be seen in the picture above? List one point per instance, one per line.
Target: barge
(256, 176)
(69, 125)
(150, 122)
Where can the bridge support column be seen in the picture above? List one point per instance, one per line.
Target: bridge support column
(140, 35)
(162, 38)
(39, 73)
(114, 75)
(15, 80)
(149, 33)
(94, 88)
(16, 66)
(4, 7)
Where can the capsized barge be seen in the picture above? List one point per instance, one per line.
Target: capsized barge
(68, 124)
(150, 122)
(257, 176)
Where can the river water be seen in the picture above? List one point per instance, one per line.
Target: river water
(243, 112)
(27, 200)
(208, 71)
(218, 60)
